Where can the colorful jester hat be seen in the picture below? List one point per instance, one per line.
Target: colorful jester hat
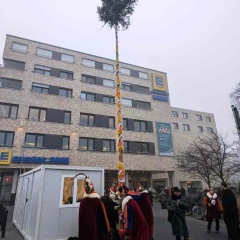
(89, 188)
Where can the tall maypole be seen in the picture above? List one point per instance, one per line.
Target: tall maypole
(116, 14)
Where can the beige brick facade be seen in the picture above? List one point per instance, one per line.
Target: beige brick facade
(160, 111)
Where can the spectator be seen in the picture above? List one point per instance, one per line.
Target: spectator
(163, 199)
(214, 208)
(177, 210)
(231, 220)
(183, 191)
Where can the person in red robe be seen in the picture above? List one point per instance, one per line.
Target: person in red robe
(134, 223)
(146, 206)
(93, 221)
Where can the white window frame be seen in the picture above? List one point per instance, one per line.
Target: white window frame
(141, 75)
(125, 73)
(209, 128)
(199, 117)
(175, 124)
(74, 204)
(208, 119)
(185, 114)
(111, 86)
(65, 60)
(184, 125)
(88, 65)
(19, 50)
(199, 129)
(42, 55)
(174, 112)
(108, 65)
(127, 100)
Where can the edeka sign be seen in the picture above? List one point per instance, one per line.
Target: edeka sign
(164, 134)
(5, 157)
(160, 82)
(41, 160)
(160, 96)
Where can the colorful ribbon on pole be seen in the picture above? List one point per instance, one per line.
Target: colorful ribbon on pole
(120, 166)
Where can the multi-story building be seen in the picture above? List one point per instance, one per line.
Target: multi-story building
(57, 107)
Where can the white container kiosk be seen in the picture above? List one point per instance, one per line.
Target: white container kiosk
(47, 201)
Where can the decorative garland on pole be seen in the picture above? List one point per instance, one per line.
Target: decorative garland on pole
(120, 166)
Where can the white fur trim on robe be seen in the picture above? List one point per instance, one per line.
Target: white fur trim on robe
(125, 201)
(91, 195)
(214, 196)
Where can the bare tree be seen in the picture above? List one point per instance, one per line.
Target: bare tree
(235, 96)
(210, 158)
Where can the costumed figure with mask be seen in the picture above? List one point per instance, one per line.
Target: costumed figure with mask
(93, 220)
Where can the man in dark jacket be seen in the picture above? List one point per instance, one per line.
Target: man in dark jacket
(229, 204)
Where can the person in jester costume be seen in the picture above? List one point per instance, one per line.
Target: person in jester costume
(145, 205)
(93, 221)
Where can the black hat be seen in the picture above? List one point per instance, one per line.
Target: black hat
(176, 189)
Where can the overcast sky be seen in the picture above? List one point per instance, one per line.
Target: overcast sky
(196, 42)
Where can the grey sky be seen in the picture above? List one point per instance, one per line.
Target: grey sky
(196, 42)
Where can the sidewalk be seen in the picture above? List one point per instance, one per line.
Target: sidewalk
(11, 232)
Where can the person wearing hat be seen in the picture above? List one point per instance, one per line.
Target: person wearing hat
(93, 221)
(214, 208)
(230, 210)
(177, 215)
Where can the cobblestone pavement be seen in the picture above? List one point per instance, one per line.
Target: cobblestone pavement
(162, 229)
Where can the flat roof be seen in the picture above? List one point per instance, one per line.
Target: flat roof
(189, 110)
(9, 35)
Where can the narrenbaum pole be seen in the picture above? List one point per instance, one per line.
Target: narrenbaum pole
(120, 166)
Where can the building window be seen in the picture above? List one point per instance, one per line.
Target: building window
(65, 92)
(143, 75)
(125, 71)
(67, 75)
(108, 83)
(141, 147)
(88, 79)
(42, 70)
(111, 122)
(125, 124)
(108, 146)
(109, 100)
(198, 117)
(144, 105)
(67, 58)
(140, 89)
(126, 146)
(6, 139)
(175, 126)
(186, 127)
(208, 119)
(86, 144)
(8, 110)
(88, 96)
(86, 119)
(67, 117)
(200, 129)
(185, 115)
(37, 114)
(127, 102)
(40, 88)
(126, 87)
(44, 52)
(108, 67)
(34, 140)
(65, 142)
(10, 83)
(19, 47)
(174, 114)
(140, 126)
(209, 130)
(9, 63)
(88, 63)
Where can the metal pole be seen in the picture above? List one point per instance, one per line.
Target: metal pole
(120, 166)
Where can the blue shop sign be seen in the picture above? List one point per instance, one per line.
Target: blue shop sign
(41, 160)
(160, 96)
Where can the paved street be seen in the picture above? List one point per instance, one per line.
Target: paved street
(162, 231)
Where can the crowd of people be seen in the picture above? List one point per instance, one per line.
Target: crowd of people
(124, 213)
